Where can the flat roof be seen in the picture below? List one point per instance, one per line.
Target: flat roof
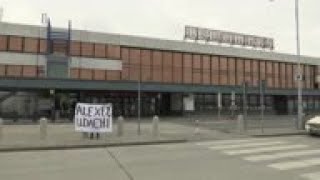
(155, 43)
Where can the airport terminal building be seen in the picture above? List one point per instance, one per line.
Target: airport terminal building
(46, 70)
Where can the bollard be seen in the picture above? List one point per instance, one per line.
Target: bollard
(240, 120)
(43, 128)
(155, 126)
(120, 126)
(196, 129)
(1, 128)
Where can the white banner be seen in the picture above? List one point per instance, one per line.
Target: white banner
(93, 118)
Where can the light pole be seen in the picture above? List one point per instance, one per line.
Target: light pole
(139, 106)
(298, 75)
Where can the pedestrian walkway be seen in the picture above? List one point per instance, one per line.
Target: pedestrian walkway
(280, 155)
(26, 137)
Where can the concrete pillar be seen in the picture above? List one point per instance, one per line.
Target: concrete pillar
(155, 126)
(1, 128)
(241, 125)
(120, 126)
(43, 128)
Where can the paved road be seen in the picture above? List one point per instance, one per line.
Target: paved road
(277, 158)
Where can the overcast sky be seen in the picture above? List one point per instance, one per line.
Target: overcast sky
(166, 18)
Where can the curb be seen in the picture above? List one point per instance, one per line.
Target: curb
(83, 146)
(279, 134)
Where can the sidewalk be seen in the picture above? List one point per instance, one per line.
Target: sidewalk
(272, 125)
(172, 130)
(62, 136)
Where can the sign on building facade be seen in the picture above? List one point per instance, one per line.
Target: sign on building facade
(208, 35)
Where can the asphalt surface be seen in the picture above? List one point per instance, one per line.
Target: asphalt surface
(283, 158)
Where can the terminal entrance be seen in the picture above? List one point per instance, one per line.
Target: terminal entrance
(281, 104)
(124, 103)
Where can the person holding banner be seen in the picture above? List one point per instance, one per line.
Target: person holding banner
(93, 118)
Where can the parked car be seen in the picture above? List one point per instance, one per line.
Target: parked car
(312, 126)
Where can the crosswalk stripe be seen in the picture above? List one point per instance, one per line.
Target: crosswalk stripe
(225, 142)
(295, 164)
(280, 155)
(234, 146)
(312, 176)
(265, 149)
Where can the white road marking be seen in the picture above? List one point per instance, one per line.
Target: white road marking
(295, 164)
(280, 155)
(312, 176)
(236, 141)
(265, 149)
(245, 145)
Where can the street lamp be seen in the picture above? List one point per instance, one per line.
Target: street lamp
(299, 76)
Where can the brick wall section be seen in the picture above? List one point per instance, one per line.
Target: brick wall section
(43, 46)
(99, 75)
(196, 69)
(29, 71)
(145, 65)
(134, 64)
(14, 71)
(100, 50)
(283, 78)
(125, 64)
(74, 73)
(167, 67)
(113, 75)
(223, 71)
(157, 66)
(87, 49)
(86, 74)
(113, 51)
(2, 70)
(177, 68)
(255, 73)
(215, 70)
(31, 45)
(3, 43)
(15, 43)
(232, 71)
(187, 68)
(163, 66)
(75, 49)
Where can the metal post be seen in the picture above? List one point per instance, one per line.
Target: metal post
(139, 107)
(233, 103)
(262, 106)
(299, 73)
(299, 76)
(1, 128)
(245, 104)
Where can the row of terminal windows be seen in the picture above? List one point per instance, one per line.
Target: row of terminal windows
(36, 45)
(209, 103)
(177, 67)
